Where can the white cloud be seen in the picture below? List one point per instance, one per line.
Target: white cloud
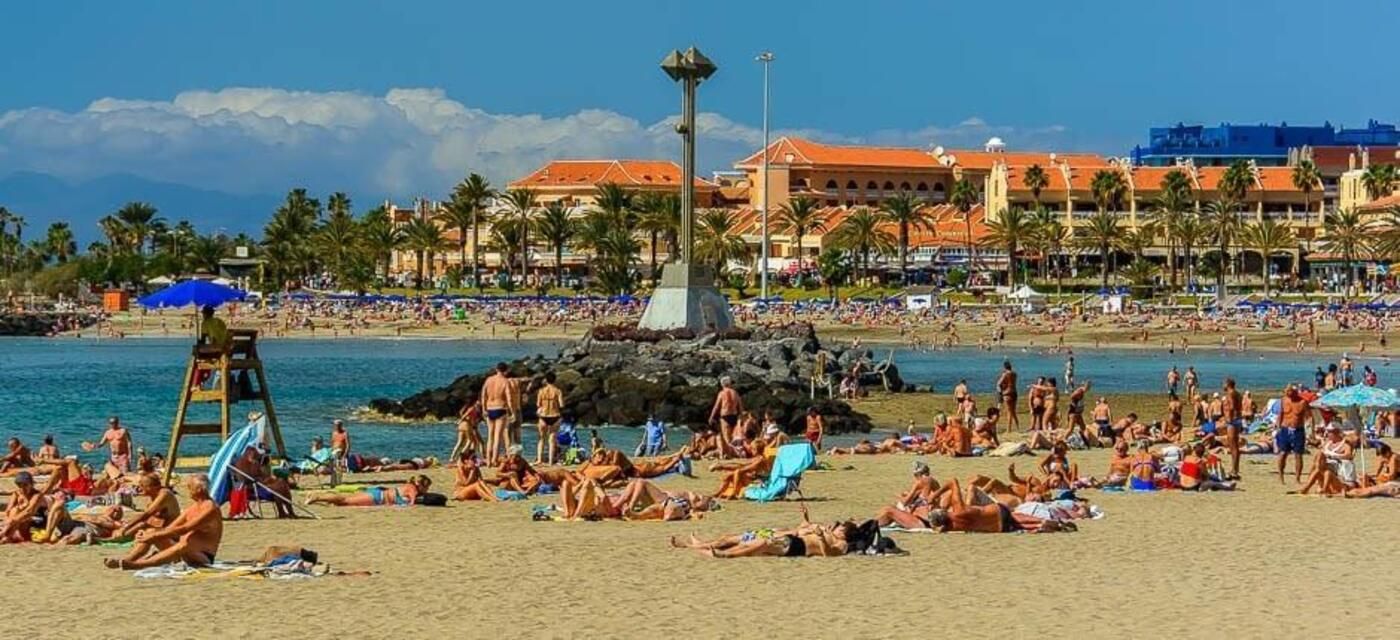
(407, 142)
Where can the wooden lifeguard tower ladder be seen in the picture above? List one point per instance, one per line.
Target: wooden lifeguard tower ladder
(232, 385)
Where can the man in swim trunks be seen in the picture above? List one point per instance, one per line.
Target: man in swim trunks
(549, 407)
(1103, 419)
(1006, 386)
(193, 536)
(728, 405)
(161, 510)
(1291, 437)
(117, 440)
(977, 512)
(1232, 413)
(340, 442)
(912, 509)
(16, 457)
(816, 428)
(497, 398)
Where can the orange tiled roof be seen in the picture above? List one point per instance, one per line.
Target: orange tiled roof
(983, 160)
(1208, 178)
(1381, 204)
(591, 173)
(949, 228)
(1150, 178)
(1279, 179)
(1015, 177)
(809, 153)
(1336, 159)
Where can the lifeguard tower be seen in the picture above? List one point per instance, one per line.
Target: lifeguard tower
(234, 372)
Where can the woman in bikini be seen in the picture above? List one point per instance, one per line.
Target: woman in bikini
(1143, 471)
(401, 496)
(1386, 481)
(641, 500)
(806, 540)
(470, 485)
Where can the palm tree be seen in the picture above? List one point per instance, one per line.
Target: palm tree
(660, 218)
(1268, 238)
(522, 201)
(1172, 204)
(506, 239)
(615, 199)
(1052, 237)
(1140, 272)
(60, 243)
(1348, 234)
(1306, 178)
(1108, 188)
(139, 217)
(555, 227)
(1035, 180)
(1191, 231)
(906, 212)
(424, 238)
(380, 238)
(718, 242)
(863, 232)
(459, 216)
(797, 218)
(206, 251)
(1379, 180)
(1224, 224)
(471, 195)
(1100, 233)
(337, 238)
(5, 216)
(964, 197)
(1013, 229)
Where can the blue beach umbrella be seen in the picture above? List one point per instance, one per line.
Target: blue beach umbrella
(199, 293)
(1360, 396)
(220, 473)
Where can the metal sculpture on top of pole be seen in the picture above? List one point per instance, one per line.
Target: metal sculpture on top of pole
(686, 297)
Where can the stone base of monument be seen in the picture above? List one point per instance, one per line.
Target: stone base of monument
(686, 298)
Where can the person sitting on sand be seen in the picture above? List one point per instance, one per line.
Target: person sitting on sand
(1386, 481)
(17, 457)
(732, 485)
(1333, 470)
(1056, 467)
(193, 537)
(25, 503)
(469, 485)
(912, 508)
(74, 529)
(805, 540)
(1203, 471)
(1142, 474)
(959, 440)
(404, 495)
(161, 509)
(515, 473)
(48, 452)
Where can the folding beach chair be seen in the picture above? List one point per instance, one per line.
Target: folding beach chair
(786, 476)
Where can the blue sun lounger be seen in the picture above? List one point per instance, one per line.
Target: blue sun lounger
(791, 461)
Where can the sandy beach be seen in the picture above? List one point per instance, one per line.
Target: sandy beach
(1270, 565)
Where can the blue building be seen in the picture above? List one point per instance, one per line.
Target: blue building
(1267, 145)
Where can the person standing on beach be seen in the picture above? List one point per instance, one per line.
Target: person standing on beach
(1173, 381)
(1193, 382)
(1069, 372)
(549, 407)
(467, 436)
(118, 442)
(496, 397)
(340, 442)
(1006, 386)
(1291, 436)
(1231, 411)
(728, 406)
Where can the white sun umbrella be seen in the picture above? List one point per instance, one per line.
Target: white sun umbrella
(1360, 396)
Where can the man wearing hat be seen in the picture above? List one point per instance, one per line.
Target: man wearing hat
(26, 505)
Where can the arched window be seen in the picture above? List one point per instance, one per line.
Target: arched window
(852, 186)
(904, 186)
(831, 185)
(871, 186)
(922, 186)
(938, 187)
(889, 186)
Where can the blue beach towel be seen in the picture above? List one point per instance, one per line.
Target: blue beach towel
(791, 461)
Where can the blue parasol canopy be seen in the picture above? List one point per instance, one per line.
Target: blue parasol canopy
(220, 478)
(1359, 395)
(200, 293)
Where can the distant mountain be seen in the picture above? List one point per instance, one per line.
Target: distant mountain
(43, 199)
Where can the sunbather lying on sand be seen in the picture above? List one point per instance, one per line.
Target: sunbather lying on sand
(193, 537)
(1385, 483)
(641, 500)
(805, 540)
(978, 512)
(358, 463)
(403, 495)
(891, 444)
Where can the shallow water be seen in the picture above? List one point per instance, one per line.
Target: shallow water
(68, 387)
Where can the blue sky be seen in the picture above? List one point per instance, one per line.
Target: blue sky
(93, 88)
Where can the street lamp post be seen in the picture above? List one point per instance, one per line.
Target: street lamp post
(686, 297)
(766, 58)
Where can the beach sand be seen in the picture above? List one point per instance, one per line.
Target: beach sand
(1251, 564)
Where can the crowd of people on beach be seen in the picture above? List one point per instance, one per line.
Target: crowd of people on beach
(1197, 445)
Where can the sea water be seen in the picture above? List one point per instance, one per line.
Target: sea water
(69, 387)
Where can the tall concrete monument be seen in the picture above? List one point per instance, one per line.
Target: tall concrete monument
(686, 298)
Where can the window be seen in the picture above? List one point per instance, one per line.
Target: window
(922, 186)
(904, 186)
(889, 186)
(831, 185)
(871, 186)
(852, 186)
(938, 187)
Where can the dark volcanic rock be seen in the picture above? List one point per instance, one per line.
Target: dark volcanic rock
(622, 382)
(42, 324)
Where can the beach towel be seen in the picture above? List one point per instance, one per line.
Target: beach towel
(788, 465)
(1268, 418)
